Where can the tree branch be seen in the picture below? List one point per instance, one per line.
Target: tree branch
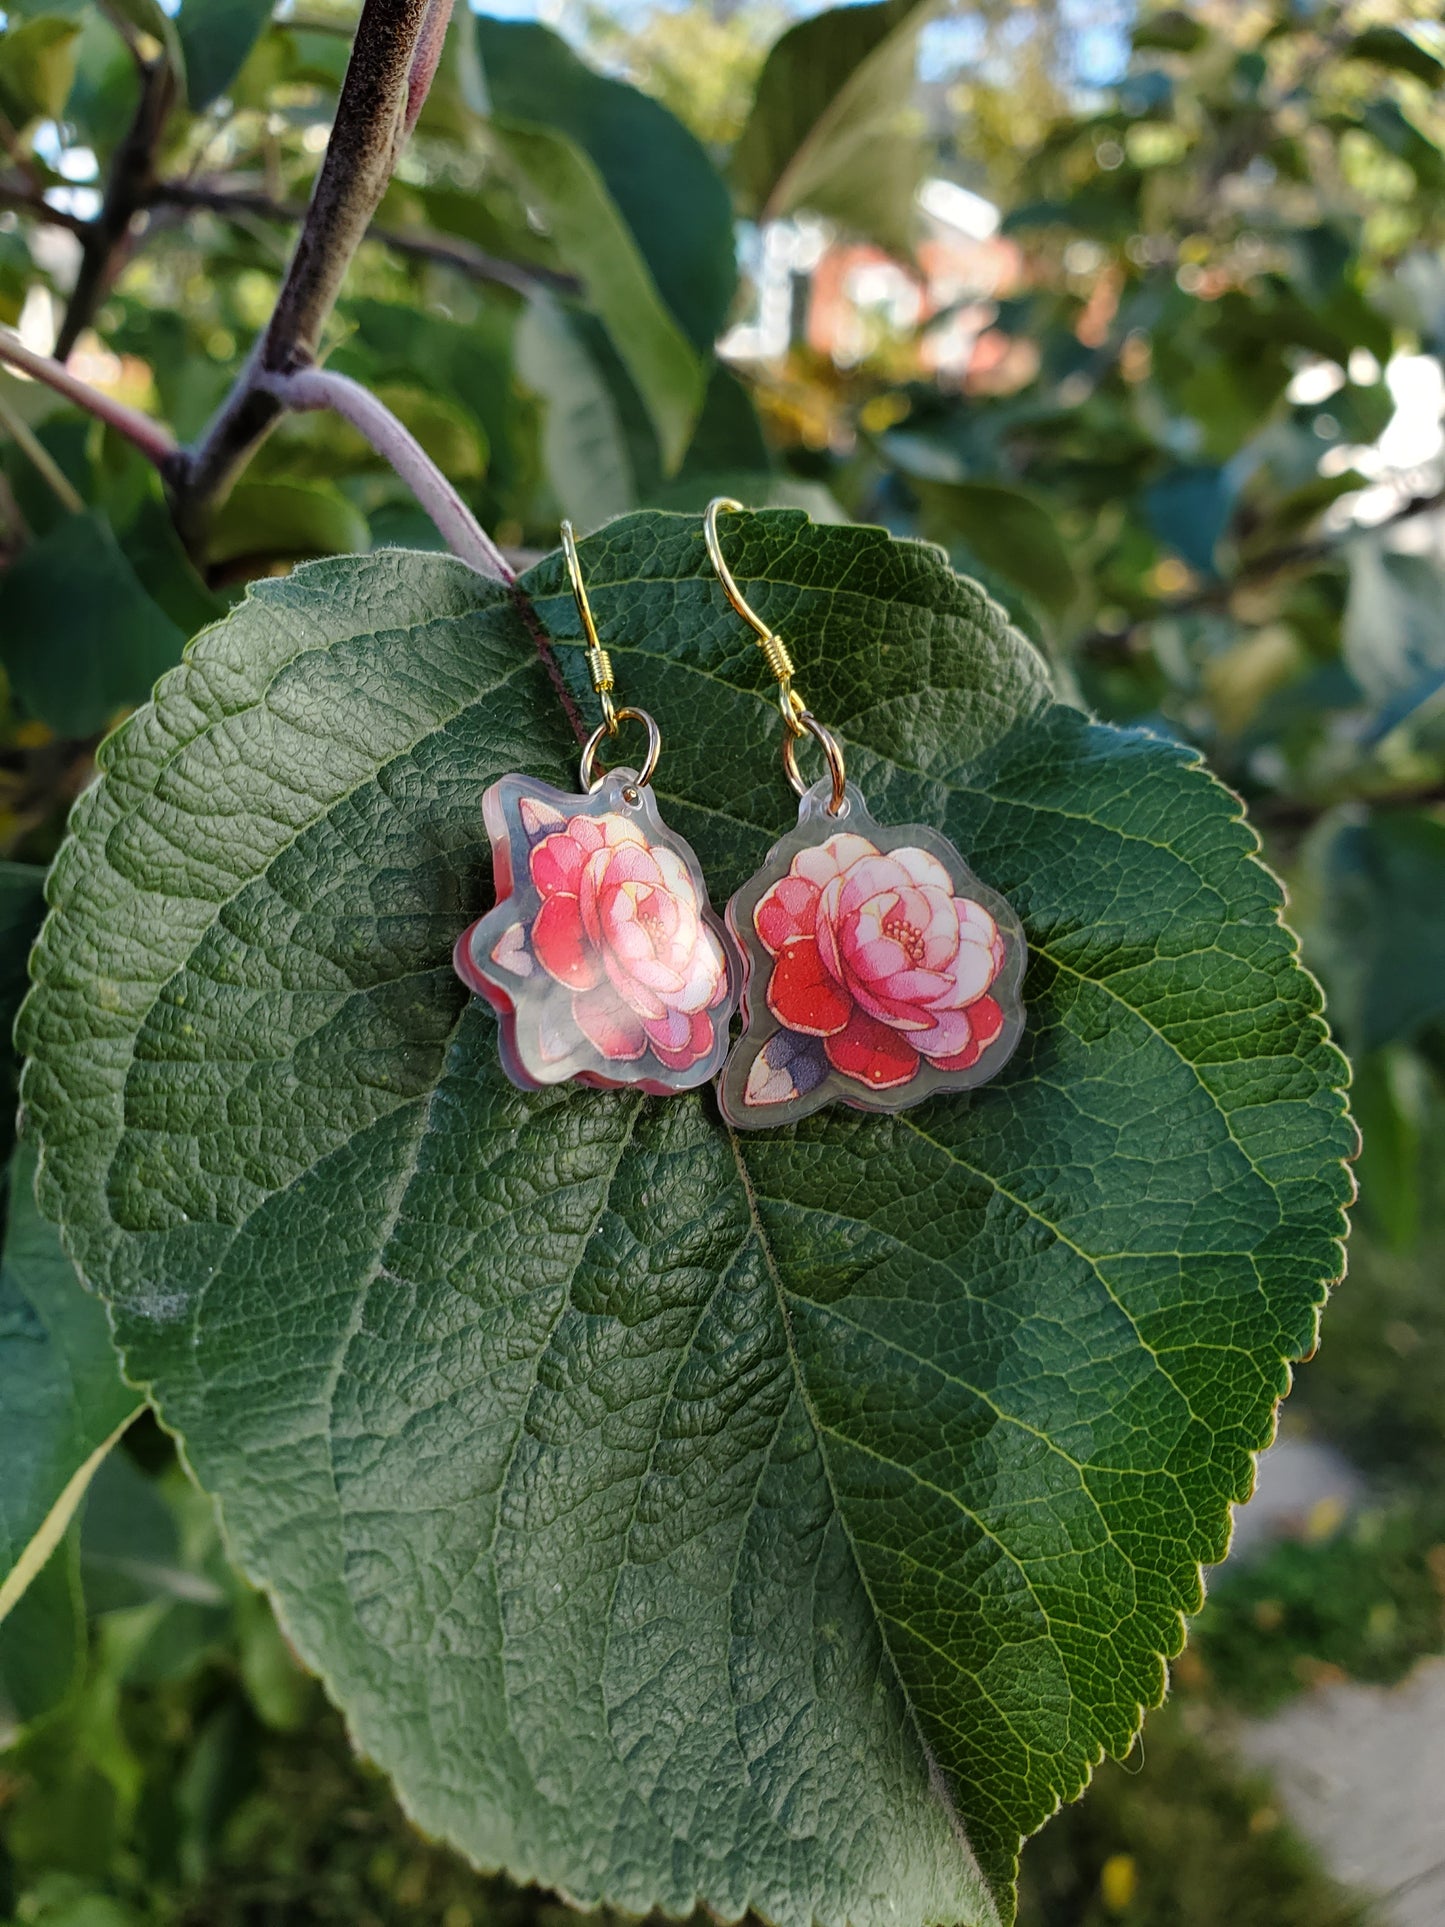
(31, 201)
(105, 241)
(393, 60)
(448, 250)
(1259, 568)
(1301, 812)
(152, 438)
(308, 388)
(365, 140)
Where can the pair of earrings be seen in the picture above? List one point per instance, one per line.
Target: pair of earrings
(872, 967)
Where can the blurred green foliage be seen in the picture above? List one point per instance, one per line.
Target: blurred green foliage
(193, 1776)
(1173, 1837)
(1364, 1603)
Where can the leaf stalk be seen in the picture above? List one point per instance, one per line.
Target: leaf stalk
(312, 388)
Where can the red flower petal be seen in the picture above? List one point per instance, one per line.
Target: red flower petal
(872, 1053)
(960, 1060)
(561, 944)
(802, 995)
(787, 911)
(557, 864)
(985, 1019)
(699, 1043)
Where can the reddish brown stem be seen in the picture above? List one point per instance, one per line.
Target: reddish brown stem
(152, 438)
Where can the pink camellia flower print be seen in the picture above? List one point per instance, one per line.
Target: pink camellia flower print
(876, 955)
(620, 926)
(878, 970)
(602, 957)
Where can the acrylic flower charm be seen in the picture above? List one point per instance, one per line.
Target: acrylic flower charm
(602, 958)
(879, 970)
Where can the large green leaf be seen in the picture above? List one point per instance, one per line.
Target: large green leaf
(833, 127)
(656, 171)
(62, 1400)
(786, 1523)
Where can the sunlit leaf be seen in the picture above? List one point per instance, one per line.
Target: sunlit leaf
(833, 128)
(595, 242)
(37, 68)
(672, 199)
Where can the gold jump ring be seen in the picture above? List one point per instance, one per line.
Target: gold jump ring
(830, 747)
(592, 776)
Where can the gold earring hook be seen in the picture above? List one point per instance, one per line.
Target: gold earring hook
(717, 506)
(775, 650)
(797, 717)
(604, 682)
(599, 663)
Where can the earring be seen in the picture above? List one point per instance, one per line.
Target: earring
(877, 969)
(603, 958)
